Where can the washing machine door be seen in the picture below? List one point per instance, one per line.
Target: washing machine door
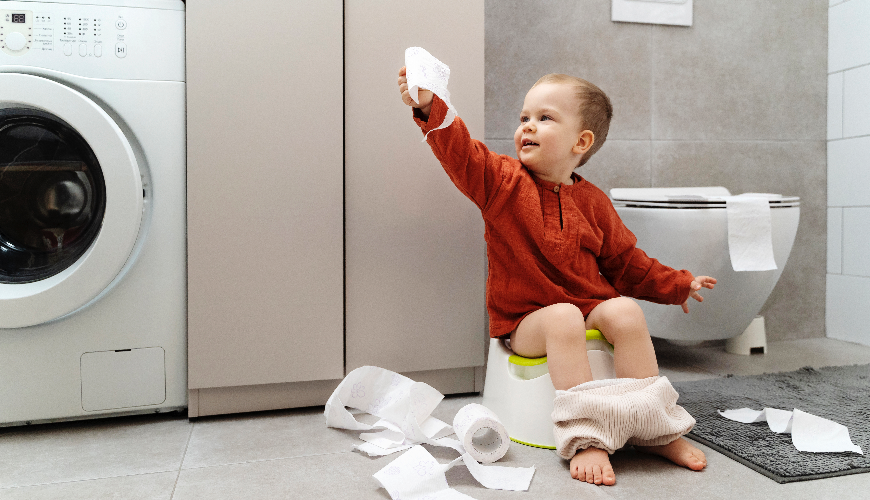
(70, 200)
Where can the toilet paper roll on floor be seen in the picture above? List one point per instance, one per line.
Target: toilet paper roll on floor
(481, 433)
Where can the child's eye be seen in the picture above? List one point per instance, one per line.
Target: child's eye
(524, 119)
(545, 117)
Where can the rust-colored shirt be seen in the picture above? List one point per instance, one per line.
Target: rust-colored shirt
(546, 243)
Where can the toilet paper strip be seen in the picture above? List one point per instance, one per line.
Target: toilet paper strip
(808, 432)
(424, 71)
(404, 407)
(750, 235)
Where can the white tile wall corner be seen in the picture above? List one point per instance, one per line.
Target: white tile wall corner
(856, 241)
(848, 35)
(847, 312)
(856, 100)
(835, 105)
(835, 240)
(849, 172)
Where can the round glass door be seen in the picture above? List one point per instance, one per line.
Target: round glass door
(71, 200)
(52, 195)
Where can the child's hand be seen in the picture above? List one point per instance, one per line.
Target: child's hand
(425, 96)
(697, 283)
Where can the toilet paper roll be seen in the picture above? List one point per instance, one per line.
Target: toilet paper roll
(424, 71)
(481, 433)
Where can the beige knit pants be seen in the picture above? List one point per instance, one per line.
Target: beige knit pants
(608, 414)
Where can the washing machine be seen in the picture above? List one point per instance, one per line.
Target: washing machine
(92, 209)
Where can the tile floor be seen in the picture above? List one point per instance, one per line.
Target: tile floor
(291, 453)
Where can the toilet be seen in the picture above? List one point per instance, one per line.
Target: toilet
(687, 228)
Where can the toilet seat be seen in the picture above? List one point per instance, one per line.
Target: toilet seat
(688, 198)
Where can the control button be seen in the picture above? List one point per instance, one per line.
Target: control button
(98, 50)
(15, 41)
(121, 49)
(121, 24)
(83, 49)
(67, 49)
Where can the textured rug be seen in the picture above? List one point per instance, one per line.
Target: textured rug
(837, 393)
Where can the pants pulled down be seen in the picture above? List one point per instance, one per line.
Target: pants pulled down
(608, 414)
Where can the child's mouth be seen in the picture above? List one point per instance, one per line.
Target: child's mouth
(527, 142)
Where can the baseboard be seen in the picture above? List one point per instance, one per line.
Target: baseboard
(204, 402)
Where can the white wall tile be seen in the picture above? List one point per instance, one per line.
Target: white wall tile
(835, 105)
(856, 241)
(848, 35)
(856, 100)
(848, 308)
(835, 240)
(849, 171)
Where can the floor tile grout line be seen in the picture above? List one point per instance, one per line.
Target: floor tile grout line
(262, 460)
(183, 458)
(73, 481)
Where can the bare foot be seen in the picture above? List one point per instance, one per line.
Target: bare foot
(593, 466)
(680, 452)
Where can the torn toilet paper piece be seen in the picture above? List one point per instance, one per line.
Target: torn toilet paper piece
(808, 432)
(424, 71)
(750, 233)
(404, 407)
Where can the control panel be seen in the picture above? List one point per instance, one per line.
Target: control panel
(16, 31)
(94, 41)
(84, 36)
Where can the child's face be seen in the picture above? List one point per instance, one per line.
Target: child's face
(549, 131)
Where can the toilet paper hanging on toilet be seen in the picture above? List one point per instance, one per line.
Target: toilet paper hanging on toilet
(750, 234)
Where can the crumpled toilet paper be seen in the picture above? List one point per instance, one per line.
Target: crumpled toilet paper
(808, 432)
(424, 71)
(404, 407)
(750, 233)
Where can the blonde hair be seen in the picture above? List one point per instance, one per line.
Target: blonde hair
(593, 107)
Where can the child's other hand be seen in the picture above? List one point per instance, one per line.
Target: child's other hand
(425, 96)
(697, 283)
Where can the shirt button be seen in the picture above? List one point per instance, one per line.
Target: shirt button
(556, 189)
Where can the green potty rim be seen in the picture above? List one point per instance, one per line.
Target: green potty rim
(521, 361)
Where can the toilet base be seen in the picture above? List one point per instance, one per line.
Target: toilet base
(753, 340)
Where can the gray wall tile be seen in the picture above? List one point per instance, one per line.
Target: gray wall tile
(747, 70)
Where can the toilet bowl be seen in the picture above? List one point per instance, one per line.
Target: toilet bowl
(687, 228)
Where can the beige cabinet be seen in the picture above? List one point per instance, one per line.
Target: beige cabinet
(322, 234)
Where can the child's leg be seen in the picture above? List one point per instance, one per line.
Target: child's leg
(622, 323)
(559, 332)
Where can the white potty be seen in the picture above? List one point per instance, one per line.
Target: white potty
(520, 392)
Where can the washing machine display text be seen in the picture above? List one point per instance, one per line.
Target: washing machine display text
(18, 18)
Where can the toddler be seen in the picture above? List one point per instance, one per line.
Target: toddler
(562, 262)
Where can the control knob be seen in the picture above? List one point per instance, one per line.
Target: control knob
(15, 41)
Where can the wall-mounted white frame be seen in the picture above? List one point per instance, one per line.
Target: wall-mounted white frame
(670, 12)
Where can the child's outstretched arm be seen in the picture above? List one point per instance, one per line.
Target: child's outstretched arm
(697, 283)
(425, 96)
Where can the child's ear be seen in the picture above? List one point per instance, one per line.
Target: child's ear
(584, 142)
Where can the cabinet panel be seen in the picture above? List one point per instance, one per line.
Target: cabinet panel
(415, 252)
(265, 213)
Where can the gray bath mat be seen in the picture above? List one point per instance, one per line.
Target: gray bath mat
(838, 393)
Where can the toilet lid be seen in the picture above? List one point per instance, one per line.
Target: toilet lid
(688, 197)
